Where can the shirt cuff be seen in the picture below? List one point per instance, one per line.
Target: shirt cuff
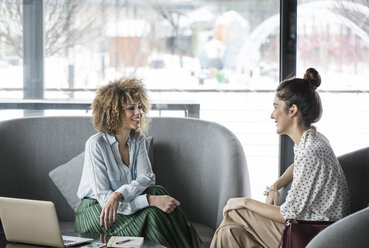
(141, 202)
(125, 191)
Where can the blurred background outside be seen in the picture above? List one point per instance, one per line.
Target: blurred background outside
(223, 55)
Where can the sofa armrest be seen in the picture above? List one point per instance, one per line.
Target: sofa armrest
(351, 231)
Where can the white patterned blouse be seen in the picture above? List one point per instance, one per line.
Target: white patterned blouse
(319, 188)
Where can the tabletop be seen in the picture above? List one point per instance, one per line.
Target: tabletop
(98, 239)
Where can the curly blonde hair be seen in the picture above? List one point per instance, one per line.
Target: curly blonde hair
(110, 102)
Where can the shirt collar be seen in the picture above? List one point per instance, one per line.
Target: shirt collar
(130, 138)
(111, 138)
(305, 137)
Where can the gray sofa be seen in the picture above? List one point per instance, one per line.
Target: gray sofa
(201, 163)
(351, 231)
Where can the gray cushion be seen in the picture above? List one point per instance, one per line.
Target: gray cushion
(66, 177)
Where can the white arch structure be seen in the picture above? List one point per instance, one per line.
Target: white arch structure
(323, 10)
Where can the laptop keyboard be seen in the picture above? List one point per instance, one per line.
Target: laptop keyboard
(66, 241)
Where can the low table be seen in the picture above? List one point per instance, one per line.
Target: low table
(97, 238)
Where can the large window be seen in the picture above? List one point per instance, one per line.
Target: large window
(333, 37)
(11, 49)
(222, 55)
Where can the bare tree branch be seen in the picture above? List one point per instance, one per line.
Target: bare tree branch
(355, 13)
(66, 23)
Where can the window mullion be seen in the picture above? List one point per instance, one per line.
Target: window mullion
(288, 41)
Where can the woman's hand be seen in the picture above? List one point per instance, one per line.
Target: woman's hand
(234, 203)
(272, 197)
(165, 203)
(104, 238)
(109, 211)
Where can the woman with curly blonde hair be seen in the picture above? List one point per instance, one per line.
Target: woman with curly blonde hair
(117, 188)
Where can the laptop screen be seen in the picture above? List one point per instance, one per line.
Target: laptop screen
(31, 222)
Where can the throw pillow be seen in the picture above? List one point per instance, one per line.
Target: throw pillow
(66, 178)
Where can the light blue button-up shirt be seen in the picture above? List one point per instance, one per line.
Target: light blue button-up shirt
(104, 172)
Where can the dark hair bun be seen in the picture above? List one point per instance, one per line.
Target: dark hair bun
(313, 77)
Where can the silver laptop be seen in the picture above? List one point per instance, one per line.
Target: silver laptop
(34, 222)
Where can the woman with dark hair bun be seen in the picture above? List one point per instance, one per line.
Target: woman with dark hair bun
(302, 93)
(319, 188)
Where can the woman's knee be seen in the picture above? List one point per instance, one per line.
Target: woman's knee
(231, 229)
(156, 215)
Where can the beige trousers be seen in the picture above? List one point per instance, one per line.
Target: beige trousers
(244, 228)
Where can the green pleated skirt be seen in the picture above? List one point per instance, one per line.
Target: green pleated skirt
(171, 230)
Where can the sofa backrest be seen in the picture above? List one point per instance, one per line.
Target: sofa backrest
(356, 168)
(201, 163)
(31, 147)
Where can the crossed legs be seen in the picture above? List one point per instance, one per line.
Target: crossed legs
(244, 228)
